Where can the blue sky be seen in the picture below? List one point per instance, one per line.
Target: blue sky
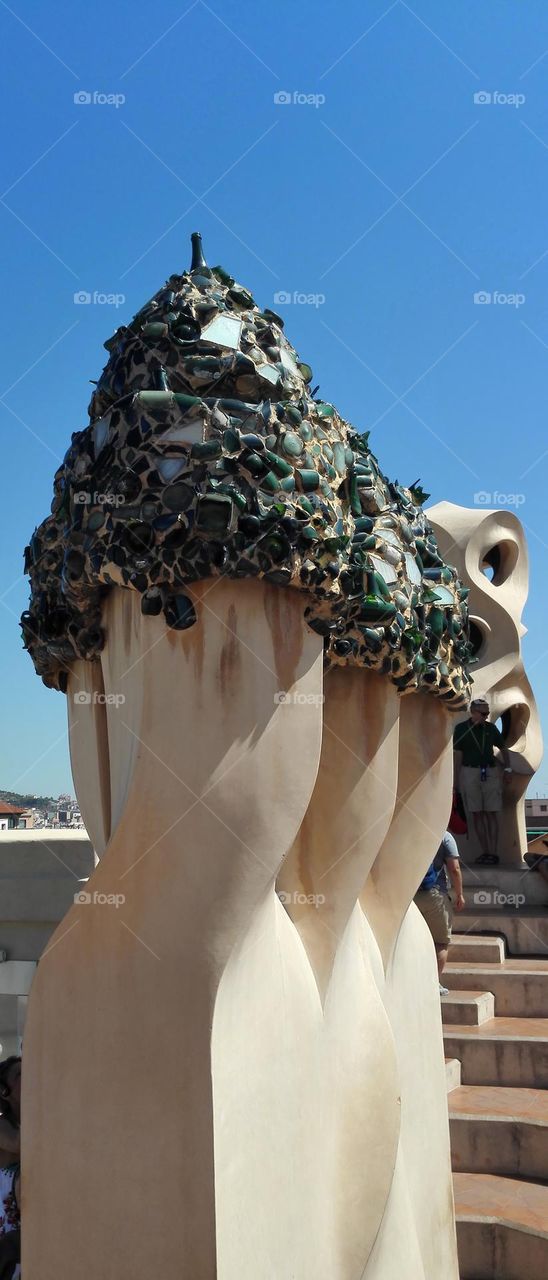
(382, 188)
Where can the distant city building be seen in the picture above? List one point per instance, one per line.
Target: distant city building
(536, 822)
(10, 816)
(536, 812)
(61, 813)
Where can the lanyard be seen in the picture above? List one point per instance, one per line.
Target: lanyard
(481, 744)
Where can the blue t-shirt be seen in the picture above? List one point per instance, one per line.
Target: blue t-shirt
(436, 876)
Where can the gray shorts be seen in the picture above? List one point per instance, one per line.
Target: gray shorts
(478, 796)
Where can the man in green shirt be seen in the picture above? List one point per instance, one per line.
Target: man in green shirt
(478, 775)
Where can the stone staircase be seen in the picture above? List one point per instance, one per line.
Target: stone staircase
(496, 1031)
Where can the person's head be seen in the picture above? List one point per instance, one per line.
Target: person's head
(479, 710)
(10, 1089)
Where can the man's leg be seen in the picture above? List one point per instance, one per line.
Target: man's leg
(473, 794)
(444, 936)
(432, 906)
(492, 825)
(481, 830)
(442, 950)
(492, 806)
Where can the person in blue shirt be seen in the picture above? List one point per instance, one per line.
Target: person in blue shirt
(433, 900)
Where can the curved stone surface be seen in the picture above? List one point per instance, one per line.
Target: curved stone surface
(207, 454)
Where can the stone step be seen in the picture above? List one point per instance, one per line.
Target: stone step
(519, 985)
(470, 1008)
(502, 1051)
(525, 930)
(499, 1131)
(467, 946)
(502, 1227)
(452, 1073)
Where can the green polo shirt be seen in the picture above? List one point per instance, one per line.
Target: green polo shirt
(476, 741)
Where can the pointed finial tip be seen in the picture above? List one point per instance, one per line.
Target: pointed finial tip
(198, 259)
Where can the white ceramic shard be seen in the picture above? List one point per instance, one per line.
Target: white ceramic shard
(224, 331)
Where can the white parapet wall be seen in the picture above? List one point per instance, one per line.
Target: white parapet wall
(40, 872)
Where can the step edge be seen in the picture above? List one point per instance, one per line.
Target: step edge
(458, 965)
(488, 1220)
(463, 1030)
(478, 937)
(494, 1117)
(467, 995)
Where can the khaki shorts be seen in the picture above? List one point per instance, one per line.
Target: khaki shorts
(437, 909)
(478, 796)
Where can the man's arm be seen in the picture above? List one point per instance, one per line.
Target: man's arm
(455, 876)
(504, 752)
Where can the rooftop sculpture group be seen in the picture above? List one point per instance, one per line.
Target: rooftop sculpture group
(251, 1005)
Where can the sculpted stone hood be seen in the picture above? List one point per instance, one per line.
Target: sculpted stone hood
(208, 454)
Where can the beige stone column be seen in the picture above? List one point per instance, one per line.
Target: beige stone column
(423, 805)
(209, 780)
(417, 1231)
(233, 1094)
(347, 820)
